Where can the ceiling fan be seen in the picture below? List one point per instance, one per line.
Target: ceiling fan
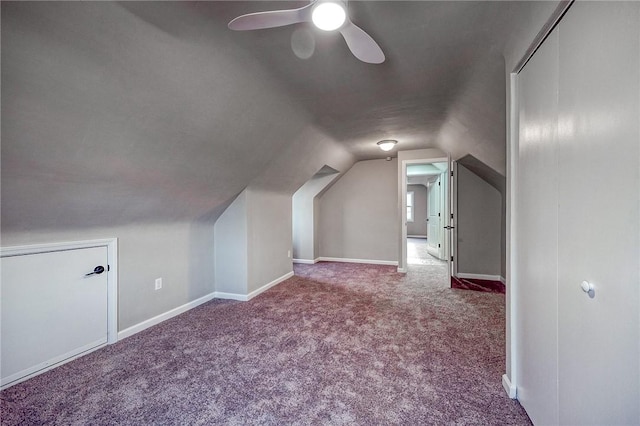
(327, 15)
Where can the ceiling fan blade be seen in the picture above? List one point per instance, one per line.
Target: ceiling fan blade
(271, 19)
(361, 44)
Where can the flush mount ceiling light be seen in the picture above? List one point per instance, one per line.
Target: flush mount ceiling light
(387, 144)
(328, 16)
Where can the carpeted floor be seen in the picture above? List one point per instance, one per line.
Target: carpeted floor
(336, 344)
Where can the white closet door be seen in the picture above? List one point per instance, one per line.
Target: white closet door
(599, 194)
(50, 309)
(537, 229)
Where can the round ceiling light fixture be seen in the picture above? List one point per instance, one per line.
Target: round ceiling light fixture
(329, 16)
(387, 144)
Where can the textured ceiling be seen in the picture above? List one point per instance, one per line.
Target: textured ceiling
(155, 111)
(444, 70)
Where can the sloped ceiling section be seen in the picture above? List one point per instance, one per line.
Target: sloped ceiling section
(135, 112)
(442, 85)
(117, 113)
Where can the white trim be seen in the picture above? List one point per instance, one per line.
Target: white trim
(247, 297)
(417, 236)
(49, 247)
(14, 379)
(112, 272)
(402, 270)
(267, 286)
(465, 275)
(165, 316)
(231, 296)
(368, 261)
(511, 309)
(509, 387)
(503, 280)
(306, 261)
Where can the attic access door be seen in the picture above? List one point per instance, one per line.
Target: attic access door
(55, 307)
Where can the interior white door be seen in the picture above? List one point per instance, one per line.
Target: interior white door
(435, 228)
(445, 217)
(599, 110)
(537, 230)
(51, 310)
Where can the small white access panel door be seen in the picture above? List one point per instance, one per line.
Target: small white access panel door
(51, 309)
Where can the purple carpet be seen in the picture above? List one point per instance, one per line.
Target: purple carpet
(478, 285)
(336, 344)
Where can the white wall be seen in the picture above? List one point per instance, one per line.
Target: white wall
(478, 226)
(358, 214)
(268, 206)
(419, 224)
(305, 220)
(269, 237)
(231, 248)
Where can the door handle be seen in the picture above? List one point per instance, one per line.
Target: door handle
(96, 271)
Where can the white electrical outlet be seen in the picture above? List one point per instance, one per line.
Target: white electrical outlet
(289, 254)
(158, 283)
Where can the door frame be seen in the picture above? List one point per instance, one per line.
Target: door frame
(112, 272)
(402, 267)
(453, 201)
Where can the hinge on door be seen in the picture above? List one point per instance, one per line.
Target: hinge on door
(452, 258)
(438, 245)
(438, 183)
(438, 214)
(451, 215)
(108, 268)
(451, 173)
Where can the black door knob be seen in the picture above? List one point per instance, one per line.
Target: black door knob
(96, 271)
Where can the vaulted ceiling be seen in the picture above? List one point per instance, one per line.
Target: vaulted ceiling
(121, 112)
(444, 70)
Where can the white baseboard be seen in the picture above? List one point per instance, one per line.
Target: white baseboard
(417, 236)
(503, 280)
(511, 390)
(369, 261)
(480, 276)
(187, 306)
(306, 261)
(163, 317)
(402, 270)
(247, 297)
(267, 286)
(231, 296)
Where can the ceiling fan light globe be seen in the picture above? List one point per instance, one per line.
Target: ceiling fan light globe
(328, 16)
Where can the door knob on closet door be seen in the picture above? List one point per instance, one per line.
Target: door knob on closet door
(588, 288)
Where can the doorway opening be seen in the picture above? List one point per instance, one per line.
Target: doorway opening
(426, 221)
